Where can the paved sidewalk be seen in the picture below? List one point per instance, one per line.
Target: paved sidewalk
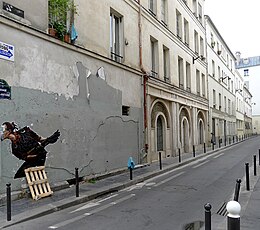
(26, 208)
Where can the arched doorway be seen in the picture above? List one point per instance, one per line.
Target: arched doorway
(201, 135)
(159, 134)
(185, 136)
(201, 128)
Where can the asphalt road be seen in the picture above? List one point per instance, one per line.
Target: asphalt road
(167, 202)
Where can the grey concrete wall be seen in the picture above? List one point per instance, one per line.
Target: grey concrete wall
(50, 91)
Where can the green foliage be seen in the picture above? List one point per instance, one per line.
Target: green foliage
(58, 13)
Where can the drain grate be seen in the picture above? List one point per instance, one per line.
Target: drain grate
(223, 211)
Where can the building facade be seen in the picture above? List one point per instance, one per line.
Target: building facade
(221, 84)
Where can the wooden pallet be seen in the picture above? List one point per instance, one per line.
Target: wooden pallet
(38, 182)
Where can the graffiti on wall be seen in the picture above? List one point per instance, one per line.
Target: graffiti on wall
(27, 145)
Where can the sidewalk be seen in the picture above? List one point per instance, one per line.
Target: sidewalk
(27, 208)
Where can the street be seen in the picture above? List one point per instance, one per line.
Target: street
(169, 201)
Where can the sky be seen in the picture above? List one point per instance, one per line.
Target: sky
(238, 23)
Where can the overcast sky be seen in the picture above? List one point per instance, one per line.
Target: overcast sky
(238, 22)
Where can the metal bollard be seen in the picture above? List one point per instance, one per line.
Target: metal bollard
(219, 143)
(160, 160)
(233, 139)
(194, 153)
(205, 150)
(247, 177)
(236, 195)
(213, 146)
(77, 181)
(254, 165)
(179, 155)
(207, 216)
(8, 201)
(233, 221)
(131, 173)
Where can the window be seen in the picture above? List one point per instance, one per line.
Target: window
(214, 99)
(203, 82)
(180, 72)
(186, 32)
(198, 81)
(196, 42)
(178, 24)
(195, 10)
(229, 108)
(166, 63)
(219, 100)
(188, 77)
(154, 57)
(213, 68)
(116, 37)
(201, 46)
(152, 7)
(164, 11)
(200, 12)
(225, 104)
(219, 73)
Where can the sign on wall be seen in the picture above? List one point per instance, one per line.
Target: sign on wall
(12, 9)
(6, 51)
(5, 90)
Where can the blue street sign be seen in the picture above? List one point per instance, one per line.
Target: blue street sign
(6, 51)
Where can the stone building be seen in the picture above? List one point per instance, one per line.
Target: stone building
(221, 85)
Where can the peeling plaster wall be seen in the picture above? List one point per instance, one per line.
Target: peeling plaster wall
(50, 90)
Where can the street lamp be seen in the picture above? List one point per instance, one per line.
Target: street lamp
(199, 56)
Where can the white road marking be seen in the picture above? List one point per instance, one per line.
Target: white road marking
(221, 154)
(196, 166)
(168, 179)
(66, 222)
(93, 204)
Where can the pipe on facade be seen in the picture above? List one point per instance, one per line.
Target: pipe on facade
(145, 77)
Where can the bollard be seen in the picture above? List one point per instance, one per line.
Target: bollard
(225, 141)
(247, 177)
(207, 216)
(236, 195)
(213, 146)
(219, 143)
(233, 221)
(131, 173)
(233, 139)
(77, 181)
(160, 160)
(194, 154)
(8, 201)
(179, 155)
(205, 150)
(254, 165)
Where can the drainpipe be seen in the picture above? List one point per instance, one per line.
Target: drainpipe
(145, 77)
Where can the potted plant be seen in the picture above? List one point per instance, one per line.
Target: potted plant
(58, 11)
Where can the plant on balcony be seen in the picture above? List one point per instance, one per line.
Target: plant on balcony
(58, 15)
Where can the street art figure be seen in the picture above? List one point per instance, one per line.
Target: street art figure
(27, 145)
